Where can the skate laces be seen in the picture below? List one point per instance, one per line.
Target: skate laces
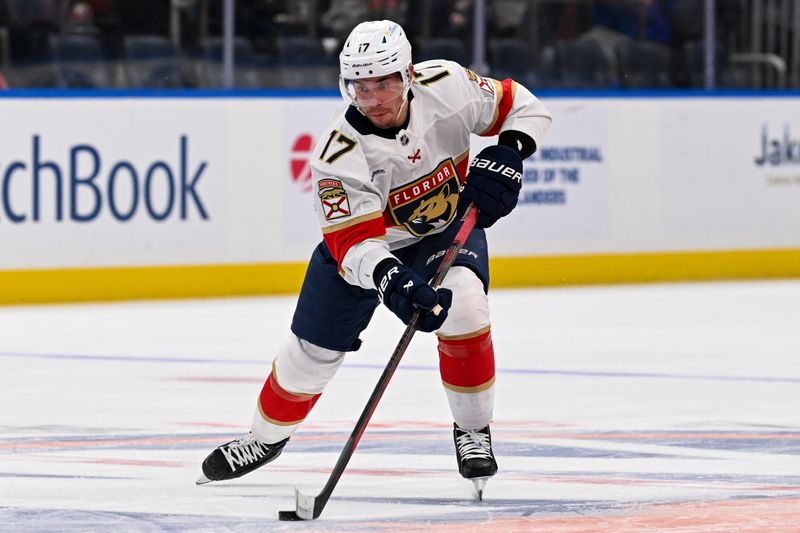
(473, 444)
(244, 451)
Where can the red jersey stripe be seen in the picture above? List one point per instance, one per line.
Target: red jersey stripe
(342, 237)
(503, 107)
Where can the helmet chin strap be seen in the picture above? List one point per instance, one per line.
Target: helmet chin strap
(405, 100)
(405, 92)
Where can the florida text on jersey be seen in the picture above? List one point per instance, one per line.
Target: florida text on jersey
(378, 190)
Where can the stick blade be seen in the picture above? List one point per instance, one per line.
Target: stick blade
(304, 508)
(288, 516)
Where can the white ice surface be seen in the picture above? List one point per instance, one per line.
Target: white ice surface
(660, 407)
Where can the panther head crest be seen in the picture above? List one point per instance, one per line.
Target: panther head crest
(434, 212)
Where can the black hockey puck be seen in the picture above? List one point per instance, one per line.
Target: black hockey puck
(287, 516)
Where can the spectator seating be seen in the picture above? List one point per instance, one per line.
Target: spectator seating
(547, 74)
(250, 70)
(512, 58)
(688, 18)
(442, 48)
(79, 62)
(584, 64)
(644, 65)
(151, 61)
(304, 63)
(695, 63)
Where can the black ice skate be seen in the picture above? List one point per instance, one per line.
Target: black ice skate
(238, 457)
(474, 454)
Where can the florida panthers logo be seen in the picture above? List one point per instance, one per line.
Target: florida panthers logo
(434, 212)
(429, 203)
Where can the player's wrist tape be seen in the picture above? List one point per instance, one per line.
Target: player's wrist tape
(520, 142)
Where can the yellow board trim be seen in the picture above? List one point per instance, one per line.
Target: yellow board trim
(157, 282)
(644, 267)
(200, 281)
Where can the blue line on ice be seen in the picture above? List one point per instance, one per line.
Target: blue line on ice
(548, 372)
(58, 476)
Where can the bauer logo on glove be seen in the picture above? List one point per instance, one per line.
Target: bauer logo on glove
(493, 183)
(493, 166)
(385, 280)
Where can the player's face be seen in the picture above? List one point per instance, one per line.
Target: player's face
(380, 99)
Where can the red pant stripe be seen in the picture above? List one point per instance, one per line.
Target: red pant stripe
(282, 406)
(467, 362)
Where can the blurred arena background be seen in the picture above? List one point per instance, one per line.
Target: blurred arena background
(547, 44)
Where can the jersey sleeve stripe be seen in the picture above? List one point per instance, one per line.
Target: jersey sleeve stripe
(341, 237)
(505, 91)
(351, 222)
(461, 166)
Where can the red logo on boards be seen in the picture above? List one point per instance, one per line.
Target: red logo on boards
(299, 161)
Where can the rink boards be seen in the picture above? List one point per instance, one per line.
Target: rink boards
(128, 195)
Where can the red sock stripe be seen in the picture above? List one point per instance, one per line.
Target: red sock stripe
(467, 362)
(282, 406)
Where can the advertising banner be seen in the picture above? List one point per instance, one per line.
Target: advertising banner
(147, 182)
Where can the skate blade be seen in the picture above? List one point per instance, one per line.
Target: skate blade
(202, 480)
(478, 484)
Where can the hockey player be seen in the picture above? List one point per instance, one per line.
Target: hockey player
(390, 173)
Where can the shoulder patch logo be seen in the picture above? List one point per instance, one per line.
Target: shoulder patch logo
(484, 84)
(471, 74)
(334, 199)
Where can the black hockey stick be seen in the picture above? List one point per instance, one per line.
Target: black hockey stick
(310, 507)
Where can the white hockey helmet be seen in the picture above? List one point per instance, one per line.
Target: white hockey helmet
(375, 48)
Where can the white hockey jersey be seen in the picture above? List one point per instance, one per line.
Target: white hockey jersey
(380, 190)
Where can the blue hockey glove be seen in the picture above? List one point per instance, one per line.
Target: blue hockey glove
(403, 292)
(493, 183)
